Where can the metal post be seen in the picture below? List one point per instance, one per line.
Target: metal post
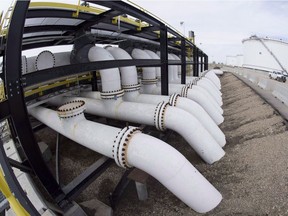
(202, 62)
(94, 81)
(183, 61)
(14, 184)
(16, 101)
(164, 59)
(205, 62)
(195, 62)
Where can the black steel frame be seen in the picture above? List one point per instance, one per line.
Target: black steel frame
(14, 108)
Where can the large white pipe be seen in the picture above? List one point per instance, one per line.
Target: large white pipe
(129, 79)
(147, 113)
(173, 70)
(214, 112)
(212, 76)
(177, 88)
(162, 116)
(153, 55)
(209, 89)
(130, 148)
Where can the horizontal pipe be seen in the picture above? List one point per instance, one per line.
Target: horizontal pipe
(173, 118)
(142, 151)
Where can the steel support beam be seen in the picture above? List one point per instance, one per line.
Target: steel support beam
(17, 106)
(75, 187)
(164, 59)
(73, 69)
(205, 62)
(183, 61)
(14, 185)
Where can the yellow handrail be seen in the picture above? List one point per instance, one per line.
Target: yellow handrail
(14, 203)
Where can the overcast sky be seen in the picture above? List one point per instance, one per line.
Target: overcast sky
(219, 26)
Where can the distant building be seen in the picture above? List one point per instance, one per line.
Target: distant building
(234, 60)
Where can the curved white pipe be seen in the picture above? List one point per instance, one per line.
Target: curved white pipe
(155, 56)
(214, 113)
(213, 92)
(183, 103)
(201, 99)
(162, 116)
(211, 75)
(109, 78)
(178, 66)
(142, 151)
(180, 177)
(178, 88)
(207, 81)
(133, 95)
(173, 71)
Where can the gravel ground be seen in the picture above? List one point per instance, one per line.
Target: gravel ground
(252, 177)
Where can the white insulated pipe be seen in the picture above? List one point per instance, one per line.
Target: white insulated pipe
(153, 55)
(129, 76)
(211, 90)
(173, 71)
(213, 77)
(214, 110)
(162, 116)
(130, 148)
(147, 113)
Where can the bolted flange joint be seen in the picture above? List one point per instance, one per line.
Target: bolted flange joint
(71, 109)
(173, 99)
(131, 88)
(112, 94)
(184, 91)
(120, 146)
(159, 116)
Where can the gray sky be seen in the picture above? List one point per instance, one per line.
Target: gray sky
(219, 26)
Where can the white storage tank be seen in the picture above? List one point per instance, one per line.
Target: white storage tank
(231, 60)
(265, 54)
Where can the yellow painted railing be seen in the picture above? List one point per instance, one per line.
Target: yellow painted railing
(14, 203)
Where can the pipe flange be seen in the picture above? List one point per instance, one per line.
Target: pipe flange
(173, 99)
(159, 116)
(184, 91)
(71, 109)
(112, 94)
(44, 60)
(120, 146)
(149, 81)
(131, 88)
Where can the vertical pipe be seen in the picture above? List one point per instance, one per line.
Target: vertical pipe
(183, 61)
(164, 59)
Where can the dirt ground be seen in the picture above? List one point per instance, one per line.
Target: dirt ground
(252, 176)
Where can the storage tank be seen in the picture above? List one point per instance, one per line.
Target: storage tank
(265, 54)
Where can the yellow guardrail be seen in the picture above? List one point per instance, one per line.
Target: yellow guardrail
(39, 90)
(14, 203)
(88, 9)
(2, 91)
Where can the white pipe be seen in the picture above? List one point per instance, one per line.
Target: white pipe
(211, 75)
(155, 56)
(213, 92)
(109, 78)
(173, 71)
(130, 148)
(162, 116)
(214, 113)
(178, 66)
(183, 103)
(201, 99)
(177, 88)
(132, 94)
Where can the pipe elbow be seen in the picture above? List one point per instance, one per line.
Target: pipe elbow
(174, 171)
(194, 133)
